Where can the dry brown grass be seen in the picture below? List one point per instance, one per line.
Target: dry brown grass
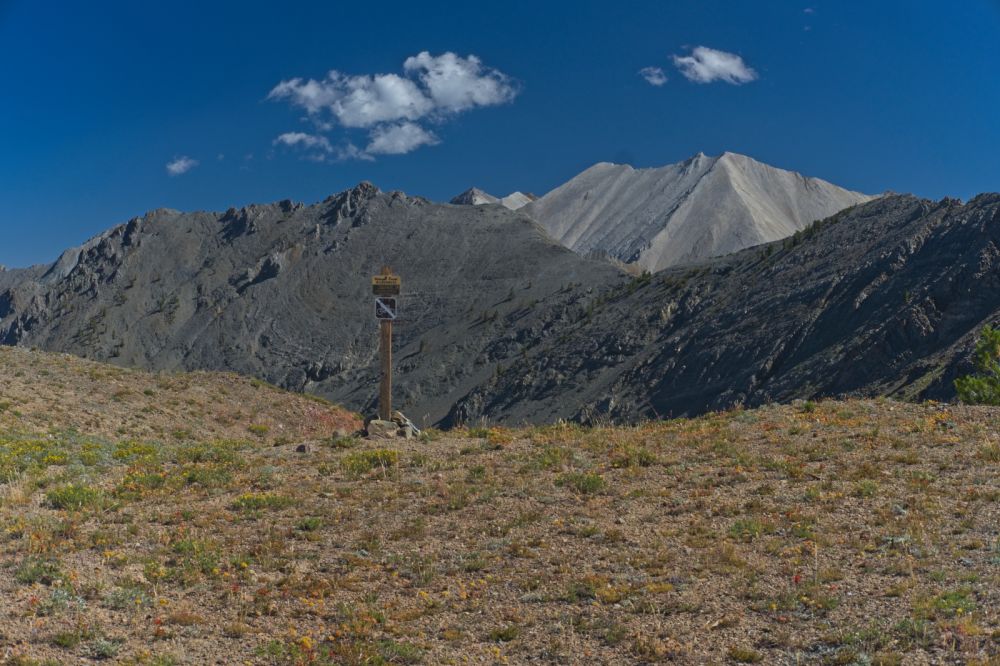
(848, 532)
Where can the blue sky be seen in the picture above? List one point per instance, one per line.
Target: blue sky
(98, 98)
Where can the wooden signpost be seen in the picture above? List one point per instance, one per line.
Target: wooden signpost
(385, 287)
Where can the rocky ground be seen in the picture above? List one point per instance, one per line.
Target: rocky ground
(173, 519)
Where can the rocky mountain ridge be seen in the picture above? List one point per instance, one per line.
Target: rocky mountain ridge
(501, 323)
(281, 292)
(886, 298)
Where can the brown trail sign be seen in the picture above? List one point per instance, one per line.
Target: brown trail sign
(385, 286)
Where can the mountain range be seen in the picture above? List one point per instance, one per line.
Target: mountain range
(282, 292)
(501, 322)
(885, 298)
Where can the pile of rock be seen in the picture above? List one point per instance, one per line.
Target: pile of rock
(399, 426)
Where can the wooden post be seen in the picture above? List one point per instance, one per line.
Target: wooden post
(385, 346)
(385, 388)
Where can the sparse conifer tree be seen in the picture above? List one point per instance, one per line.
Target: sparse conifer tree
(983, 388)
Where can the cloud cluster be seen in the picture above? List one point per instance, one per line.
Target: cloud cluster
(181, 165)
(706, 65)
(391, 107)
(654, 75)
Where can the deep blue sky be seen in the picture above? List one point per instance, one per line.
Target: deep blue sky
(98, 97)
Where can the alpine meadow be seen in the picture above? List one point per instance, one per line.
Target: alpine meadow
(518, 333)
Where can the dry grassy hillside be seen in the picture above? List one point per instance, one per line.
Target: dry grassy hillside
(168, 519)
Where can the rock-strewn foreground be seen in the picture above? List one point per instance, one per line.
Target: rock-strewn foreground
(501, 323)
(168, 519)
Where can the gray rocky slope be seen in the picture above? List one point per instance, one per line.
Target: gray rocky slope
(885, 298)
(502, 323)
(282, 292)
(702, 207)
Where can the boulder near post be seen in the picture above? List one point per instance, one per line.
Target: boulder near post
(385, 287)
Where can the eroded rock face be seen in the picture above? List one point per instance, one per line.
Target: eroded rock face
(886, 298)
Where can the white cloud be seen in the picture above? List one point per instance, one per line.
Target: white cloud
(808, 10)
(654, 75)
(180, 165)
(399, 139)
(705, 65)
(319, 148)
(431, 88)
(456, 84)
(349, 151)
(304, 140)
(357, 101)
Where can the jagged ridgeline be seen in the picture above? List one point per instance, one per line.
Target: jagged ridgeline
(502, 323)
(885, 298)
(282, 292)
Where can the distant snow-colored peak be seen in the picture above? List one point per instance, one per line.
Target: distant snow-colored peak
(476, 197)
(516, 200)
(704, 206)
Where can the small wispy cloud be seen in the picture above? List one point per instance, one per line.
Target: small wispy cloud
(391, 107)
(705, 65)
(304, 140)
(654, 75)
(181, 165)
(809, 10)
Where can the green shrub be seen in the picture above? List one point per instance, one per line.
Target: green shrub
(259, 501)
(505, 634)
(632, 456)
(983, 388)
(105, 648)
(743, 655)
(865, 488)
(73, 497)
(363, 462)
(749, 529)
(310, 524)
(37, 570)
(583, 483)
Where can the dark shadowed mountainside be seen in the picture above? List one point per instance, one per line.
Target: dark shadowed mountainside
(885, 298)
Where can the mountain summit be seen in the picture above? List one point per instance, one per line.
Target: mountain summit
(476, 197)
(684, 212)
